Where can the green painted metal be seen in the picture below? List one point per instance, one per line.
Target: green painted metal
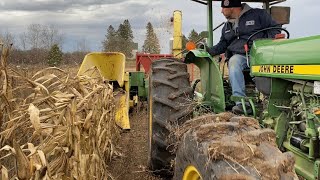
(286, 52)
(137, 82)
(243, 101)
(281, 127)
(279, 97)
(210, 23)
(302, 51)
(303, 165)
(136, 78)
(211, 80)
(316, 169)
(278, 116)
(311, 132)
(254, 111)
(289, 76)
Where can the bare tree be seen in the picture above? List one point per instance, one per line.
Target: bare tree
(82, 45)
(7, 38)
(41, 37)
(33, 35)
(23, 41)
(50, 35)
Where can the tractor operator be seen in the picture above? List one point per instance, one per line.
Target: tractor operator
(242, 21)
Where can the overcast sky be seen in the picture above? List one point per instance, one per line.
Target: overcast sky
(88, 19)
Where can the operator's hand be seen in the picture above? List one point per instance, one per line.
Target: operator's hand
(203, 46)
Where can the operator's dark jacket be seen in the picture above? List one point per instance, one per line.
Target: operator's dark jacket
(235, 34)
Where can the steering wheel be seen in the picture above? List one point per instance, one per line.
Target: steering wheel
(246, 46)
(266, 29)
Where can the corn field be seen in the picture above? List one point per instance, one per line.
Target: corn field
(53, 126)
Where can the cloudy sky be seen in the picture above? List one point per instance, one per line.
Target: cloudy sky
(87, 20)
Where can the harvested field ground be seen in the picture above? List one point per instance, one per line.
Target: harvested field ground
(133, 146)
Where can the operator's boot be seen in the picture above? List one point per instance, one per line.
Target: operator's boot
(237, 109)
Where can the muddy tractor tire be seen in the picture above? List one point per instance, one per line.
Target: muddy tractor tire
(170, 97)
(230, 148)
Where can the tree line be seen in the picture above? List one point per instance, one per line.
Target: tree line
(121, 39)
(42, 44)
(193, 36)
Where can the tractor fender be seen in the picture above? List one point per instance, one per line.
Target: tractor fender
(211, 78)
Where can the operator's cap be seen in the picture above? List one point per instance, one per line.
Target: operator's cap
(230, 3)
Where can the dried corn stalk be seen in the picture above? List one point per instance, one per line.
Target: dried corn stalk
(53, 126)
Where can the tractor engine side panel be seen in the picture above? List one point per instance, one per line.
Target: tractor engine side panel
(292, 59)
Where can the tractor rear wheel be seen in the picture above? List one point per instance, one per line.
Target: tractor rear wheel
(170, 97)
(224, 146)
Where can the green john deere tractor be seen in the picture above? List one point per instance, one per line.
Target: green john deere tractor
(280, 139)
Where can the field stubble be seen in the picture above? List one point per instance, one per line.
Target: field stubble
(49, 128)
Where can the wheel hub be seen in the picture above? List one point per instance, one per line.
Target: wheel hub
(191, 173)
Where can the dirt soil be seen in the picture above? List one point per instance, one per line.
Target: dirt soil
(132, 164)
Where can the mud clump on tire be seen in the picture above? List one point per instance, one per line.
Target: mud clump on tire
(234, 148)
(178, 131)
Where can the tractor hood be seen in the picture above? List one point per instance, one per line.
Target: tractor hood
(282, 52)
(293, 59)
